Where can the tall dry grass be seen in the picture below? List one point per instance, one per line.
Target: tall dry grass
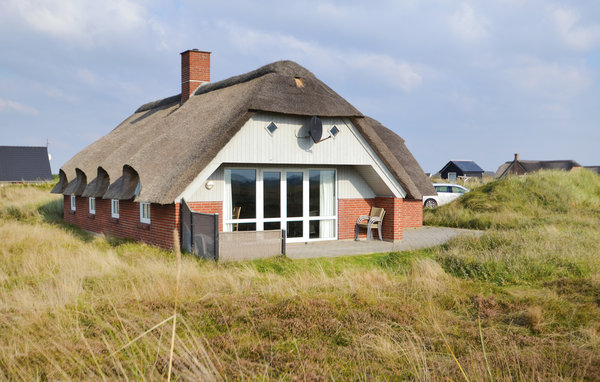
(76, 306)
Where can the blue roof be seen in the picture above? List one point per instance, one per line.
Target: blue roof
(466, 165)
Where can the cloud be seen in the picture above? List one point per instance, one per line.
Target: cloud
(551, 80)
(55, 93)
(8, 105)
(87, 23)
(467, 25)
(571, 33)
(384, 68)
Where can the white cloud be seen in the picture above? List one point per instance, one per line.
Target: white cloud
(468, 25)
(384, 68)
(8, 105)
(84, 22)
(55, 93)
(551, 80)
(573, 34)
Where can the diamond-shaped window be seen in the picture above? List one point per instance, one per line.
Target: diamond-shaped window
(334, 131)
(271, 127)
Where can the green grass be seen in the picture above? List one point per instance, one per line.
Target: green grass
(70, 302)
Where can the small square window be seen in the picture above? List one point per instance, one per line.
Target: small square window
(145, 213)
(271, 127)
(334, 131)
(73, 203)
(114, 208)
(92, 204)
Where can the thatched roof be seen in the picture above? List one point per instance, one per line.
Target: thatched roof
(165, 145)
(537, 165)
(593, 168)
(396, 156)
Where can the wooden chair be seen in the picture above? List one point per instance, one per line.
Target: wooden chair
(236, 215)
(374, 220)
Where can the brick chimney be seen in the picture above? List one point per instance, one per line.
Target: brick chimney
(516, 157)
(195, 71)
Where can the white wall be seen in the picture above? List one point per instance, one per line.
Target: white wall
(360, 171)
(350, 184)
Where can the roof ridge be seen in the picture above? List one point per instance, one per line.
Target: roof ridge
(158, 103)
(281, 67)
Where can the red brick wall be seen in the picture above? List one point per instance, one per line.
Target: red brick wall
(348, 211)
(208, 208)
(412, 213)
(159, 232)
(399, 214)
(392, 226)
(164, 218)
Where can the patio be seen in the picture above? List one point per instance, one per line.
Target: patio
(412, 239)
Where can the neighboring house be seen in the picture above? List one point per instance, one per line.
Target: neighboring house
(455, 168)
(24, 164)
(593, 168)
(248, 148)
(521, 167)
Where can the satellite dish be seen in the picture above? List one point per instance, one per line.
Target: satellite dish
(315, 129)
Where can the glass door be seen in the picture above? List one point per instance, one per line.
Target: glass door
(272, 205)
(322, 215)
(294, 204)
(301, 201)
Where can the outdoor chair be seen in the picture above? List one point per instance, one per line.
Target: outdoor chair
(236, 215)
(373, 221)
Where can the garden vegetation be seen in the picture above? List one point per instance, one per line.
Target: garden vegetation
(519, 302)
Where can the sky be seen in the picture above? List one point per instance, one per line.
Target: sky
(476, 80)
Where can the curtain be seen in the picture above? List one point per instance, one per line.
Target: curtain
(326, 203)
(227, 209)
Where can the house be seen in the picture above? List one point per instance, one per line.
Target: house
(24, 164)
(521, 167)
(456, 168)
(596, 169)
(271, 149)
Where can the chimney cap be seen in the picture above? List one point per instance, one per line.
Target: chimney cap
(516, 156)
(195, 50)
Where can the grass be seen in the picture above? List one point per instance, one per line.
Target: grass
(520, 302)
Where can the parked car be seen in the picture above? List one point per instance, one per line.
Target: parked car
(447, 192)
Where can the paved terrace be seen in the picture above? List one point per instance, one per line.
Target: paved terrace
(414, 238)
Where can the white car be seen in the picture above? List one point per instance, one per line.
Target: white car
(447, 192)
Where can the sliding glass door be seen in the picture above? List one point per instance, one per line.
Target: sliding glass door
(301, 201)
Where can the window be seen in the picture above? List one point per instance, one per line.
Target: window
(334, 131)
(301, 201)
(452, 176)
(92, 205)
(271, 127)
(73, 204)
(458, 190)
(114, 208)
(145, 213)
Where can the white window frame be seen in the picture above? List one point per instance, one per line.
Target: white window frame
(455, 177)
(114, 208)
(92, 205)
(260, 220)
(144, 219)
(73, 203)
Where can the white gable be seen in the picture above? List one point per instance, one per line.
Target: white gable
(288, 145)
